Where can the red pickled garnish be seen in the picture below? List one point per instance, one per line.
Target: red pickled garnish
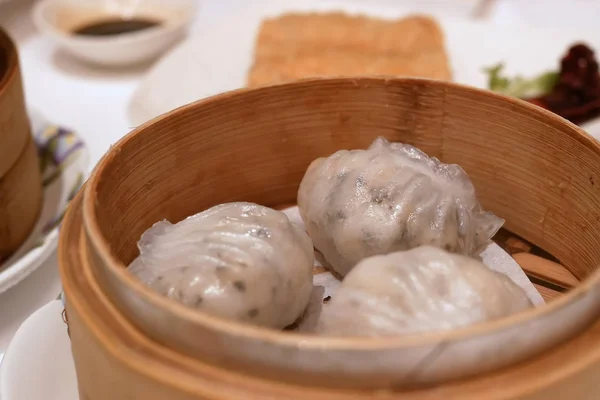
(576, 95)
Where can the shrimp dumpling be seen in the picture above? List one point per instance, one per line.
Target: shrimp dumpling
(390, 197)
(420, 290)
(240, 261)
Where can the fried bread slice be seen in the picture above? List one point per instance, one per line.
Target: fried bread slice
(295, 46)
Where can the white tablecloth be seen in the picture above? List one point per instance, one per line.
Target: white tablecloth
(93, 101)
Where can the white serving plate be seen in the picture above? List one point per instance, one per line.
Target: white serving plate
(38, 364)
(217, 60)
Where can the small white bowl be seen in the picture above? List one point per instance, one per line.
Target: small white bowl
(59, 18)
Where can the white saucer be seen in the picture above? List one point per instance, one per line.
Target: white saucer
(38, 364)
(65, 162)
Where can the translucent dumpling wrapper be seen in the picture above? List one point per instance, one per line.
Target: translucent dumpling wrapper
(390, 197)
(240, 261)
(420, 290)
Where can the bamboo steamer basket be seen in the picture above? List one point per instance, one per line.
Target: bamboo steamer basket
(20, 180)
(529, 166)
(14, 123)
(21, 197)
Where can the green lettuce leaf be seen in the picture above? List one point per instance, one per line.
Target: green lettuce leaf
(519, 86)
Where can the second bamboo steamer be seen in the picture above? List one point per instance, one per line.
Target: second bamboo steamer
(21, 190)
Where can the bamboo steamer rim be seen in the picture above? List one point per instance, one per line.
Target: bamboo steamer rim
(12, 62)
(314, 342)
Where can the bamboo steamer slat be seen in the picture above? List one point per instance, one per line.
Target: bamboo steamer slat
(547, 270)
(14, 123)
(21, 196)
(528, 165)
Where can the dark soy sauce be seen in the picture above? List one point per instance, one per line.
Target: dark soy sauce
(115, 27)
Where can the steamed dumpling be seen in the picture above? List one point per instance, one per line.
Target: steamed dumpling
(240, 261)
(420, 290)
(390, 197)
